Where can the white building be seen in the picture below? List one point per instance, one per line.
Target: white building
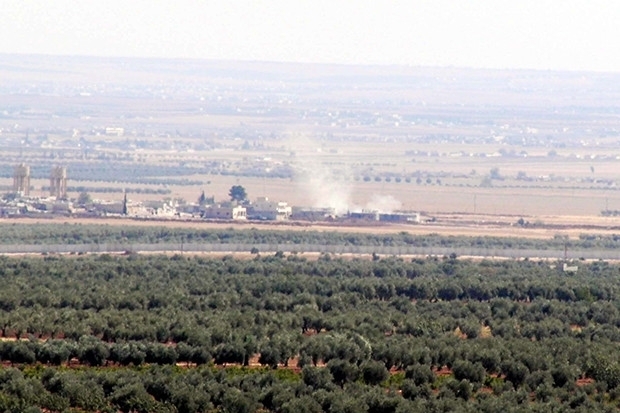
(114, 131)
(236, 212)
(265, 209)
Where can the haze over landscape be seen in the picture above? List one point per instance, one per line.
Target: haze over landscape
(309, 206)
(571, 35)
(503, 108)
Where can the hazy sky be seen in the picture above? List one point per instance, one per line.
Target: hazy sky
(543, 34)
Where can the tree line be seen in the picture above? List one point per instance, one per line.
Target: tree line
(92, 234)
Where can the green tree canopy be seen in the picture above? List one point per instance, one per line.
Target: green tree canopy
(84, 198)
(237, 193)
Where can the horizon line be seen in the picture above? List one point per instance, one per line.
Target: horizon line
(308, 63)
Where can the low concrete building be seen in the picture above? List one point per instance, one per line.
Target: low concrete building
(7, 210)
(166, 208)
(49, 205)
(62, 207)
(313, 214)
(264, 209)
(402, 217)
(190, 209)
(570, 268)
(365, 215)
(235, 212)
(114, 131)
(100, 207)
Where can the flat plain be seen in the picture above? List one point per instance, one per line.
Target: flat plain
(497, 145)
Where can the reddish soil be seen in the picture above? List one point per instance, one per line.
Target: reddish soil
(444, 371)
(584, 381)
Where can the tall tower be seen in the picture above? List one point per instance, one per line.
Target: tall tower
(21, 179)
(58, 182)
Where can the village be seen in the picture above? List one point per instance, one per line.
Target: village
(20, 203)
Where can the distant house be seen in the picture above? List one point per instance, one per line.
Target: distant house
(570, 268)
(193, 209)
(313, 214)
(62, 207)
(10, 210)
(265, 209)
(159, 208)
(397, 217)
(365, 215)
(112, 131)
(400, 217)
(235, 212)
(107, 207)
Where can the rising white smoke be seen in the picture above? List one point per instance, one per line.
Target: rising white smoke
(325, 190)
(330, 187)
(383, 203)
(327, 187)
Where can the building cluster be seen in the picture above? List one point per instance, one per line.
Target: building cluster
(262, 209)
(21, 202)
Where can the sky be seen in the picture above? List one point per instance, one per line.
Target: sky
(540, 34)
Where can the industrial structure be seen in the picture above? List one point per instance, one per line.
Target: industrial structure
(21, 180)
(58, 182)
